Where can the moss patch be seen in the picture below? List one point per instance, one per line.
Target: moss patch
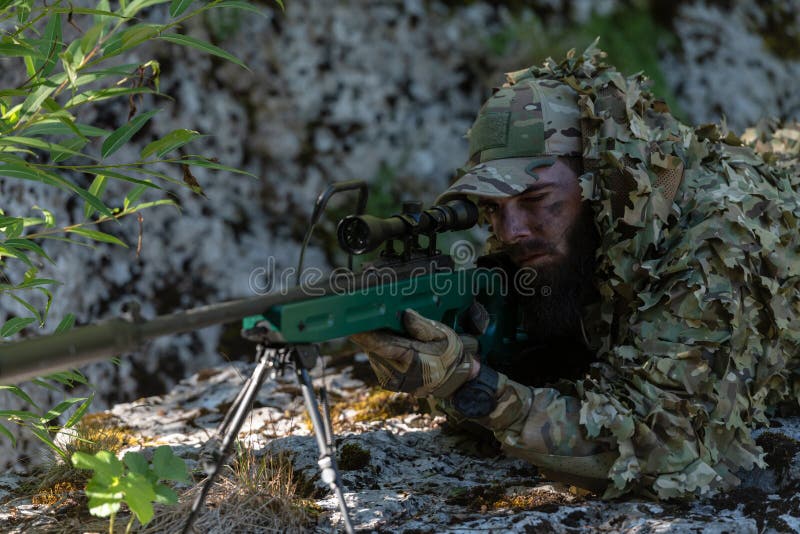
(500, 496)
(57, 491)
(353, 457)
(101, 432)
(374, 405)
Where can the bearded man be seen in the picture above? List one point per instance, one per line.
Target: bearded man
(672, 323)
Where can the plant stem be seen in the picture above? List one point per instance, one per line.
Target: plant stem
(111, 523)
(130, 524)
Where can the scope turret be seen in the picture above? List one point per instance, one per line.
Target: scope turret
(359, 234)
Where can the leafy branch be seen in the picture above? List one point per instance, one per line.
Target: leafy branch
(71, 60)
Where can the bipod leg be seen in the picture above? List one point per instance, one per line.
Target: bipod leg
(322, 431)
(228, 430)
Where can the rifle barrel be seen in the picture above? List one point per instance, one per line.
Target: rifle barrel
(35, 357)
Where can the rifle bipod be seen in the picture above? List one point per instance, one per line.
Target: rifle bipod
(274, 360)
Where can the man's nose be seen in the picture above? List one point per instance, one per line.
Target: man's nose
(511, 225)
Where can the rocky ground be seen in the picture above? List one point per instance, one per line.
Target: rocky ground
(403, 471)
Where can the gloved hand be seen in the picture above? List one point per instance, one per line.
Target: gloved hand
(434, 360)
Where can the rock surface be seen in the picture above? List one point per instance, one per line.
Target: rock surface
(409, 473)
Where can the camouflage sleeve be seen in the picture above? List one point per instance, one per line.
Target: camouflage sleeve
(543, 426)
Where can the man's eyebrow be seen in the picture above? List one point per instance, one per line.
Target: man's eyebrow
(538, 186)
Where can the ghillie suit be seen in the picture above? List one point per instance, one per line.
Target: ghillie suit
(697, 330)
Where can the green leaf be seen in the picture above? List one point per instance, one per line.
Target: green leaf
(185, 40)
(49, 46)
(19, 50)
(101, 11)
(119, 176)
(104, 506)
(11, 140)
(137, 5)
(78, 415)
(97, 188)
(60, 127)
(6, 251)
(35, 282)
(165, 495)
(28, 306)
(87, 76)
(66, 378)
(49, 296)
(49, 218)
(178, 6)
(199, 162)
(15, 390)
(7, 433)
(104, 94)
(33, 103)
(167, 466)
(73, 146)
(91, 37)
(27, 244)
(98, 236)
(139, 496)
(162, 202)
(105, 497)
(61, 407)
(133, 195)
(244, 6)
(122, 135)
(12, 226)
(171, 141)
(130, 38)
(66, 323)
(27, 172)
(136, 462)
(24, 10)
(21, 414)
(94, 201)
(14, 325)
(44, 436)
(106, 466)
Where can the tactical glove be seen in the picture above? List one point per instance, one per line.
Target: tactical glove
(434, 360)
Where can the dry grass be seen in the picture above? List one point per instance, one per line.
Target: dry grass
(94, 433)
(253, 495)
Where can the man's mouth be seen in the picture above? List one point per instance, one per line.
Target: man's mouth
(530, 257)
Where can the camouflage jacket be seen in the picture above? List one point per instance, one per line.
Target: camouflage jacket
(697, 331)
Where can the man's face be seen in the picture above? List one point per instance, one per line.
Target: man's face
(548, 228)
(534, 226)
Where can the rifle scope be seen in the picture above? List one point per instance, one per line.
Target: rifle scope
(359, 234)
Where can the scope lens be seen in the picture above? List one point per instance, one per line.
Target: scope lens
(353, 235)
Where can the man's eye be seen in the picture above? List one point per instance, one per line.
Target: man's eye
(489, 208)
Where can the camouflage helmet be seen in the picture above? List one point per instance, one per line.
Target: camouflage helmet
(521, 127)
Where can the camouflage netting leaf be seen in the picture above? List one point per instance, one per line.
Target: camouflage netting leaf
(698, 329)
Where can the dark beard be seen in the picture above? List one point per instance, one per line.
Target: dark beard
(560, 290)
(556, 347)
